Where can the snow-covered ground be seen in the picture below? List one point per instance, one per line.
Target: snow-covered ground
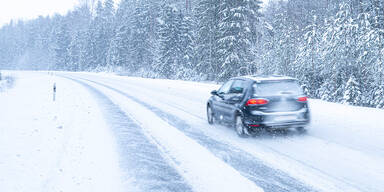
(113, 133)
(54, 146)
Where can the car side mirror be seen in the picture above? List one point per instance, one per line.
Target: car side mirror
(214, 92)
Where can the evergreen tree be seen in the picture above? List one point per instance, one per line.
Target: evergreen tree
(168, 62)
(328, 91)
(352, 94)
(187, 47)
(283, 40)
(308, 62)
(339, 49)
(74, 53)
(118, 54)
(254, 16)
(103, 31)
(144, 26)
(206, 38)
(62, 42)
(235, 39)
(378, 97)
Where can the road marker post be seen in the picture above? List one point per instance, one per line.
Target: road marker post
(54, 92)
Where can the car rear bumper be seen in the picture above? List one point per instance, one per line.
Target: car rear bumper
(258, 119)
(285, 124)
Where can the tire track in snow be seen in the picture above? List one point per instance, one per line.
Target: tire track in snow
(141, 160)
(267, 178)
(350, 185)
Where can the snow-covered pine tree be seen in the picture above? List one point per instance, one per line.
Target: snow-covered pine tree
(169, 49)
(254, 16)
(235, 38)
(367, 60)
(206, 14)
(352, 94)
(7, 44)
(375, 41)
(282, 39)
(187, 48)
(308, 62)
(62, 42)
(79, 19)
(378, 96)
(144, 25)
(118, 54)
(88, 56)
(266, 49)
(74, 52)
(103, 31)
(329, 91)
(339, 50)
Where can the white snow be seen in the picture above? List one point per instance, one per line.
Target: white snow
(341, 152)
(66, 145)
(54, 146)
(203, 170)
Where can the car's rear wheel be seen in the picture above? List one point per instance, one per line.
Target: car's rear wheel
(239, 127)
(301, 129)
(210, 115)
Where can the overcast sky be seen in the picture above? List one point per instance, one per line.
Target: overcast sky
(29, 9)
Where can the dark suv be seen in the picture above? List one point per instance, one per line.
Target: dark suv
(253, 103)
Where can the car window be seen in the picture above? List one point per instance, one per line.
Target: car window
(270, 88)
(225, 88)
(237, 87)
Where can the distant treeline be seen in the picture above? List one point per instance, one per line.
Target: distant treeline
(335, 47)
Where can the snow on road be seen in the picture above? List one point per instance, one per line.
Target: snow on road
(113, 133)
(266, 177)
(331, 157)
(201, 169)
(143, 165)
(84, 142)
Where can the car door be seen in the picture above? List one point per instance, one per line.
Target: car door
(233, 98)
(218, 100)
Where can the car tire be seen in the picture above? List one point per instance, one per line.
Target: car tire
(239, 127)
(210, 115)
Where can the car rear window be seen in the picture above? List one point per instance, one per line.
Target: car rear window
(270, 88)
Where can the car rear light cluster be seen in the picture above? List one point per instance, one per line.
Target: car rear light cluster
(256, 102)
(302, 99)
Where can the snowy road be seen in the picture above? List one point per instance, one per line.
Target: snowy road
(163, 142)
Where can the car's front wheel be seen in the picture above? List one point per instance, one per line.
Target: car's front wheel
(210, 115)
(239, 127)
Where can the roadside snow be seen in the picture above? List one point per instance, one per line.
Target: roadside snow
(360, 128)
(54, 146)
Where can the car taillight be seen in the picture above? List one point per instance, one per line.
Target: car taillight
(302, 99)
(256, 102)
